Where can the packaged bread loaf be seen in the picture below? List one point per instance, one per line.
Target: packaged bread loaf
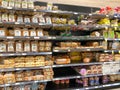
(27, 19)
(25, 32)
(4, 3)
(39, 58)
(33, 32)
(11, 17)
(11, 3)
(34, 46)
(26, 46)
(17, 32)
(41, 49)
(18, 3)
(9, 61)
(24, 3)
(30, 4)
(11, 32)
(35, 19)
(19, 76)
(20, 19)
(41, 19)
(4, 17)
(3, 46)
(3, 31)
(41, 44)
(48, 44)
(1, 79)
(19, 46)
(10, 46)
(40, 32)
(9, 78)
(47, 49)
(48, 20)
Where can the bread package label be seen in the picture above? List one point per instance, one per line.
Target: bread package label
(4, 3)
(2, 47)
(11, 3)
(27, 46)
(11, 18)
(10, 46)
(17, 32)
(5, 17)
(24, 3)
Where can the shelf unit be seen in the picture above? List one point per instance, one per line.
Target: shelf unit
(58, 38)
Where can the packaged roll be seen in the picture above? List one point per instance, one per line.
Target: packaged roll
(1, 79)
(9, 78)
(19, 75)
(11, 17)
(35, 19)
(41, 44)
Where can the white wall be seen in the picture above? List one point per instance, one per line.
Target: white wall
(92, 3)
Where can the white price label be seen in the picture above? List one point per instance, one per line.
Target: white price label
(36, 37)
(9, 7)
(17, 23)
(24, 53)
(88, 49)
(10, 37)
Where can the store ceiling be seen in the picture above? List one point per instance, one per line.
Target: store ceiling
(91, 3)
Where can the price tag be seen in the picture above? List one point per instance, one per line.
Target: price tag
(9, 7)
(17, 83)
(105, 39)
(107, 15)
(36, 37)
(106, 27)
(34, 10)
(88, 49)
(11, 54)
(24, 53)
(10, 37)
(1, 54)
(119, 51)
(17, 23)
(68, 50)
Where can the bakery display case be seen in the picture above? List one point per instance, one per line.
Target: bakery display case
(46, 46)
